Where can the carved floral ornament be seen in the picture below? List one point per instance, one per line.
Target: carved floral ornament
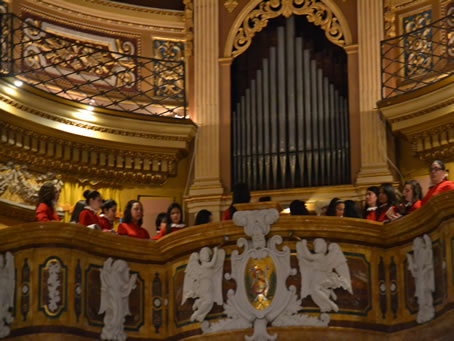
(323, 13)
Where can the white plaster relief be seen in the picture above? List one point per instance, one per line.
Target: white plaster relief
(116, 286)
(53, 285)
(422, 268)
(7, 285)
(203, 281)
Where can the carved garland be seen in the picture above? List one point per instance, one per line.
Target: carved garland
(315, 11)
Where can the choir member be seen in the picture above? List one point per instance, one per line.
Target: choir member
(438, 181)
(174, 221)
(370, 209)
(47, 200)
(161, 221)
(108, 215)
(335, 208)
(132, 221)
(240, 195)
(412, 197)
(203, 217)
(93, 202)
(387, 209)
(351, 210)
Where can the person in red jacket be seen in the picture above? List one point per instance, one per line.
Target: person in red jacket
(132, 221)
(108, 215)
(174, 220)
(47, 200)
(413, 195)
(387, 209)
(439, 183)
(88, 216)
(370, 209)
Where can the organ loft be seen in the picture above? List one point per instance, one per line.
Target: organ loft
(226, 170)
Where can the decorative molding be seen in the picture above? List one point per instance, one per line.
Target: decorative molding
(230, 5)
(255, 16)
(53, 281)
(7, 292)
(188, 27)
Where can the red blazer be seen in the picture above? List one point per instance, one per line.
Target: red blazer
(226, 215)
(88, 217)
(382, 217)
(132, 230)
(372, 215)
(104, 223)
(163, 232)
(46, 213)
(415, 206)
(443, 186)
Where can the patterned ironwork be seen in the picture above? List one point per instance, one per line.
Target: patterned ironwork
(423, 55)
(107, 74)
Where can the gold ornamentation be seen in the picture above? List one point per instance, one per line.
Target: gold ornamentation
(188, 27)
(260, 282)
(316, 12)
(230, 5)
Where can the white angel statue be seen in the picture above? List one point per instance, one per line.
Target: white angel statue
(323, 272)
(422, 269)
(116, 285)
(7, 285)
(203, 280)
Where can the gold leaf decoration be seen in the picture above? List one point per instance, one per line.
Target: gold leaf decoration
(315, 11)
(230, 5)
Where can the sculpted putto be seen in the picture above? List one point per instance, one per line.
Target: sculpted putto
(7, 284)
(116, 285)
(422, 269)
(322, 272)
(203, 280)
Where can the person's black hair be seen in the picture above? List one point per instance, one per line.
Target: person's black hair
(263, 199)
(203, 217)
(159, 219)
(90, 195)
(440, 163)
(351, 210)
(390, 193)
(47, 194)
(78, 208)
(375, 190)
(240, 195)
(417, 191)
(298, 207)
(127, 216)
(169, 221)
(108, 204)
(331, 211)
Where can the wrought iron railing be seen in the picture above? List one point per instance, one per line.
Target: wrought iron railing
(111, 77)
(418, 58)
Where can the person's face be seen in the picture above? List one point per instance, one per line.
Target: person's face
(436, 173)
(382, 197)
(408, 192)
(340, 210)
(371, 199)
(175, 215)
(136, 212)
(96, 203)
(111, 213)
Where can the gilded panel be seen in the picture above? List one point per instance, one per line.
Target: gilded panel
(53, 287)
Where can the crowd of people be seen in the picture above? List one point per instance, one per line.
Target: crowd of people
(382, 204)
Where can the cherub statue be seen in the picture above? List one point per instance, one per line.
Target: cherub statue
(422, 269)
(203, 280)
(7, 285)
(116, 285)
(323, 272)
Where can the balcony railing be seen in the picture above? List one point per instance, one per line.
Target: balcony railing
(91, 73)
(421, 57)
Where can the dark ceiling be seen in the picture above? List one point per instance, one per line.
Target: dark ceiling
(164, 4)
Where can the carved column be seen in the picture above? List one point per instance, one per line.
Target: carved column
(374, 161)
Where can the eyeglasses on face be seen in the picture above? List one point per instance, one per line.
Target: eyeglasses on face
(434, 169)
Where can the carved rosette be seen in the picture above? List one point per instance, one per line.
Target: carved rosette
(157, 300)
(315, 11)
(52, 299)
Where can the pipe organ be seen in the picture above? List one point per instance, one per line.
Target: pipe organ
(290, 119)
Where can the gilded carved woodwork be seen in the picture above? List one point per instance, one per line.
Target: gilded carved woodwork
(188, 27)
(230, 5)
(316, 12)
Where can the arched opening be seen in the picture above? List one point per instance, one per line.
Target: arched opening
(290, 109)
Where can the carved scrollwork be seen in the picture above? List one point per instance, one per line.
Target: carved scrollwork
(315, 11)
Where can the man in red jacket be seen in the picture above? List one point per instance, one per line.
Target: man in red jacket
(439, 184)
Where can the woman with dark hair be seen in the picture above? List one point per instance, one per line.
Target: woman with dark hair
(412, 195)
(438, 181)
(93, 203)
(298, 207)
(174, 219)
(203, 217)
(351, 210)
(47, 199)
(161, 221)
(108, 215)
(387, 209)
(132, 221)
(335, 208)
(370, 210)
(240, 195)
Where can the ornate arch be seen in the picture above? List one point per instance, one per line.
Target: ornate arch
(255, 15)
